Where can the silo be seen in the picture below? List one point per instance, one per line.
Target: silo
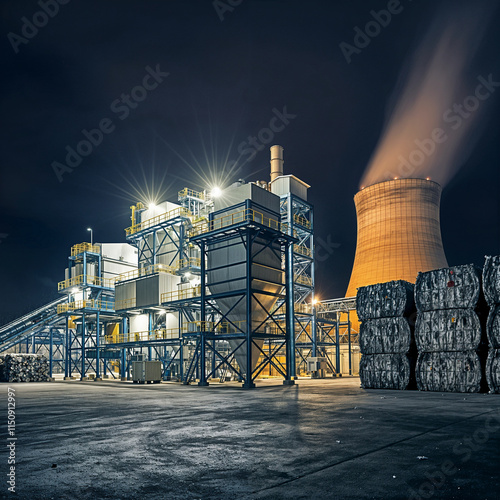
(227, 264)
(399, 233)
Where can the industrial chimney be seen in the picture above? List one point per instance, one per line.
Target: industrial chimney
(399, 233)
(276, 162)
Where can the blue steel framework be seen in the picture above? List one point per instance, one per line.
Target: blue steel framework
(270, 329)
(89, 314)
(313, 334)
(151, 242)
(39, 332)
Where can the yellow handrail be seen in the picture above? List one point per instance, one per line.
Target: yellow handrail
(80, 280)
(189, 262)
(303, 279)
(153, 221)
(303, 250)
(85, 304)
(84, 247)
(145, 271)
(125, 304)
(245, 215)
(191, 193)
(190, 327)
(302, 221)
(159, 268)
(186, 293)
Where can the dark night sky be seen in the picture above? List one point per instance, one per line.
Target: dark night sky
(225, 78)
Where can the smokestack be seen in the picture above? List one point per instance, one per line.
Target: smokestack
(399, 232)
(276, 162)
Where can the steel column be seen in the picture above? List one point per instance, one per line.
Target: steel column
(202, 357)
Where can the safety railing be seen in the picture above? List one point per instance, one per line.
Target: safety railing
(301, 221)
(298, 308)
(191, 193)
(303, 308)
(228, 220)
(302, 250)
(86, 280)
(182, 294)
(189, 262)
(158, 219)
(302, 279)
(101, 305)
(84, 247)
(146, 271)
(188, 328)
(120, 305)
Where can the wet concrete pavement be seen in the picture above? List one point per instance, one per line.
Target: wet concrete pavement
(321, 439)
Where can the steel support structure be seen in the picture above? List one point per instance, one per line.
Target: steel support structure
(242, 339)
(297, 215)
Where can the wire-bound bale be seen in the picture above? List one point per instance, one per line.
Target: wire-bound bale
(493, 327)
(449, 371)
(448, 330)
(24, 368)
(385, 300)
(491, 279)
(448, 288)
(385, 371)
(493, 370)
(385, 336)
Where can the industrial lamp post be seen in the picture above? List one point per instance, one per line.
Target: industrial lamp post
(91, 236)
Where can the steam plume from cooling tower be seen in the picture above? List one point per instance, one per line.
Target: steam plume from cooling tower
(436, 81)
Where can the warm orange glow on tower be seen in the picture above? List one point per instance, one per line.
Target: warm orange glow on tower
(399, 233)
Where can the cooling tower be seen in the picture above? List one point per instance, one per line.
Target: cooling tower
(399, 233)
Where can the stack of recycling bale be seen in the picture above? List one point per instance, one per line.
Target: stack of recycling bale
(386, 335)
(448, 332)
(491, 287)
(24, 368)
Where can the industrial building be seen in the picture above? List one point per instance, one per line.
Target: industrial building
(216, 286)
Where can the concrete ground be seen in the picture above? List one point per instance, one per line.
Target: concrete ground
(321, 439)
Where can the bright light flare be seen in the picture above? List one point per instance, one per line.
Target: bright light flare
(216, 192)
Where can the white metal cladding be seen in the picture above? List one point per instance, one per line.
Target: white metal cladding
(119, 251)
(150, 289)
(290, 184)
(125, 291)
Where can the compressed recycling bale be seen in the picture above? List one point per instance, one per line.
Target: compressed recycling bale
(25, 368)
(385, 371)
(385, 300)
(385, 336)
(493, 370)
(448, 330)
(493, 327)
(448, 288)
(449, 371)
(491, 279)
